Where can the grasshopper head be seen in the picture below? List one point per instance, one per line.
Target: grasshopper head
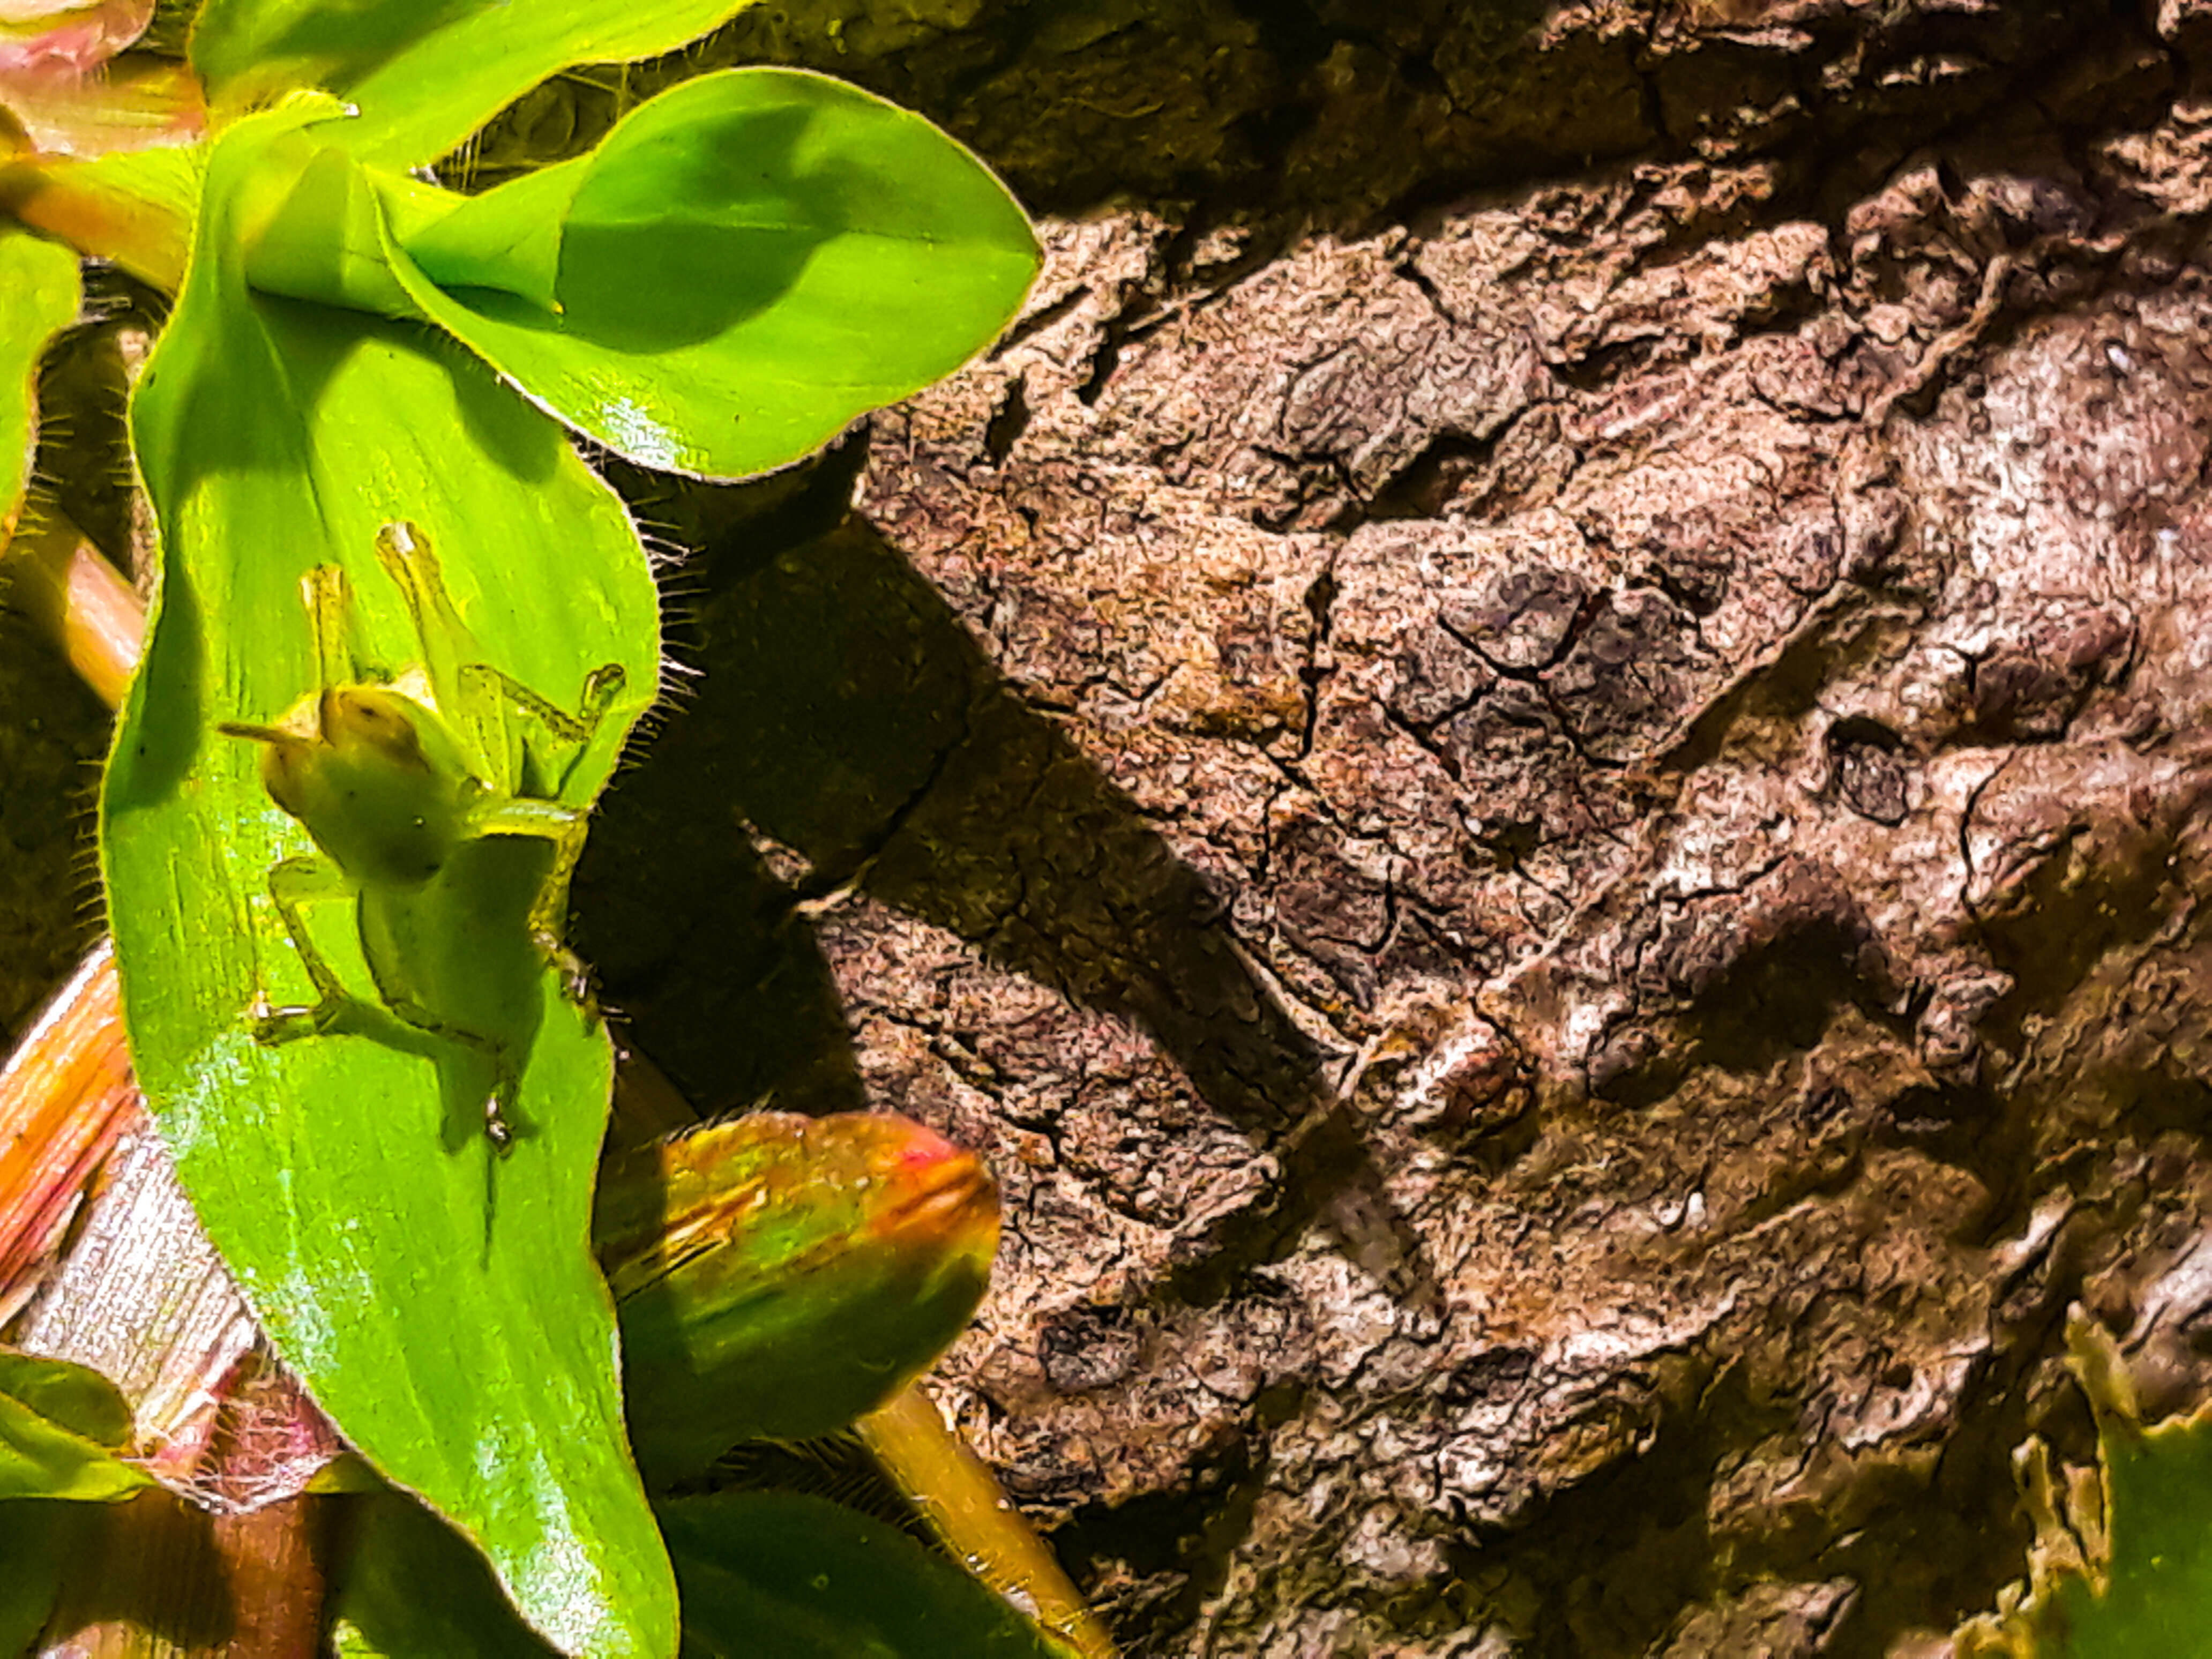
(377, 782)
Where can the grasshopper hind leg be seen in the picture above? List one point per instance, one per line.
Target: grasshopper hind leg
(504, 1122)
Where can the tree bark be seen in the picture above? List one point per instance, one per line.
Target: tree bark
(1531, 758)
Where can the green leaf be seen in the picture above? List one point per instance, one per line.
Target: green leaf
(440, 1302)
(412, 1588)
(40, 1542)
(802, 1578)
(60, 1425)
(427, 75)
(744, 265)
(38, 298)
(2155, 1593)
(134, 207)
(2121, 1561)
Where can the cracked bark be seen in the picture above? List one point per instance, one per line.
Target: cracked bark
(1544, 721)
(1531, 758)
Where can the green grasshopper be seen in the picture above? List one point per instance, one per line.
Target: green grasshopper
(443, 822)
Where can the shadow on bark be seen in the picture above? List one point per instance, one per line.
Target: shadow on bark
(846, 716)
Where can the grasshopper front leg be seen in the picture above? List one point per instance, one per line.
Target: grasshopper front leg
(489, 686)
(549, 819)
(564, 826)
(294, 883)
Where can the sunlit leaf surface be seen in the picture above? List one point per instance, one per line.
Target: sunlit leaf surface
(61, 1426)
(425, 74)
(744, 265)
(440, 1302)
(135, 207)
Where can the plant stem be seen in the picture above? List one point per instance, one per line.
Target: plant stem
(61, 579)
(964, 1504)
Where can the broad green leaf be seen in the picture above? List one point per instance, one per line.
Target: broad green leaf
(40, 1541)
(38, 298)
(439, 1301)
(73, 1396)
(60, 1426)
(411, 1589)
(744, 265)
(779, 1276)
(802, 1578)
(425, 73)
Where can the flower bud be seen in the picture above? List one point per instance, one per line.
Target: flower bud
(777, 1276)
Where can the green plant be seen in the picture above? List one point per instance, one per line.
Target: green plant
(2122, 1561)
(742, 265)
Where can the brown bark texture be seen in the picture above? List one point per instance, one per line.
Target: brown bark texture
(1532, 758)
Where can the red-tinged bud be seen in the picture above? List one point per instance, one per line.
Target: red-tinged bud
(778, 1276)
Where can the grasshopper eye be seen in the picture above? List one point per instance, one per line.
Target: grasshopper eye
(364, 717)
